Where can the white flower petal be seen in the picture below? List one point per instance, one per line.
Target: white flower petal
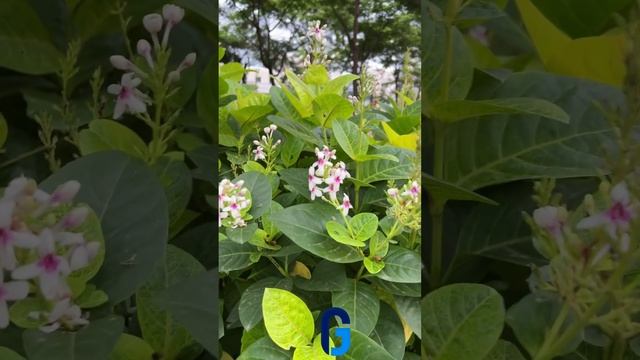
(25, 239)
(114, 89)
(79, 258)
(59, 309)
(592, 222)
(136, 105)
(49, 328)
(6, 213)
(26, 272)
(16, 290)
(51, 285)
(7, 257)
(620, 193)
(119, 109)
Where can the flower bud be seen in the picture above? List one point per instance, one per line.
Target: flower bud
(267, 130)
(75, 218)
(189, 60)
(120, 62)
(153, 23)
(144, 48)
(172, 14)
(65, 192)
(273, 127)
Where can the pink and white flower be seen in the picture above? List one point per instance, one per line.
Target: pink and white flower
(413, 191)
(549, 218)
(313, 180)
(233, 203)
(9, 239)
(346, 204)
(50, 269)
(64, 313)
(618, 217)
(129, 99)
(10, 291)
(258, 153)
(172, 15)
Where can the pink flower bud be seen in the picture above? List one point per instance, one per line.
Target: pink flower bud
(173, 76)
(172, 14)
(144, 48)
(189, 60)
(75, 217)
(153, 23)
(65, 192)
(120, 62)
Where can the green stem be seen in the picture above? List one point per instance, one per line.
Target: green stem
(618, 348)
(24, 156)
(360, 272)
(552, 335)
(280, 269)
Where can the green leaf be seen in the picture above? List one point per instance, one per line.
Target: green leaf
(330, 107)
(300, 130)
(284, 106)
(456, 110)
(242, 235)
(410, 311)
(250, 114)
(96, 341)
(205, 159)
(389, 332)
(363, 347)
(316, 75)
(378, 170)
(361, 303)
(176, 180)
(256, 333)
(401, 265)
(364, 225)
(435, 50)
(504, 350)
(303, 91)
(372, 265)
(234, 256)
(8, 354)
(287, 319)
(20, 310)
(313, 352)
(250, 302)
(28, 48)
(265, 349)
(296, 180)
(190, 304)
(411, 290)
(511, 149)
(462, 321)
(443, 191)
(379, 245)
(158, 326)
(206, 95)
(337, 85)
(91, 297)
(260, 188)
(131, 205)
(353, 141)
(291, 149)
(532, 317)
(367, 157)
(341, 234)
(600, 58)
(327, 276)
(304, 224)
(232, 71)
(131, 347)
(111, 135)
(593, 19)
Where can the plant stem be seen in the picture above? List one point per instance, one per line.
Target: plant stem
(280, 269)
(552, 335)
(618, 348)
(24, 156)
(359, 275)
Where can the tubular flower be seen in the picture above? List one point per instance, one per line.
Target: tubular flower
(129, 99)
(617, 217)
(266, 147)
(323, 171)
(234, 203)
(405, 204)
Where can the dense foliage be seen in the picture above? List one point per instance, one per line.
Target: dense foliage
(103, 250)
(319, 206)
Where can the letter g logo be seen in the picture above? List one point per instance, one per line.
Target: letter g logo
(343, 333)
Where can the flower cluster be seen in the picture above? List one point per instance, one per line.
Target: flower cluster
(129, 98)
(40, 247)
(405, 204)
(265, 148)
(317, 54)
(234, 202)
(324, 172)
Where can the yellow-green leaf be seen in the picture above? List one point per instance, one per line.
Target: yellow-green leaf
(313, 352)
(408, 141)
(287, 318)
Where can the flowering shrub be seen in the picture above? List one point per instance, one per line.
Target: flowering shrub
(106, 223)
(534, 192)
(319, 207)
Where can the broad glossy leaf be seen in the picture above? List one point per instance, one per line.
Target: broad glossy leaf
(296, 180)
(232, 71)
(410, 311)
(28, 47)
(131, 347)
(330, 107)
(377, 170)
(456, 110)
(379, 244)
(508, 148)
(158, 326)
(327, 276)
(408, 141)
(340, 233)
(130, 202)
(287, 319)
(243, 234)
(373, 265)
(434, 41)
(364, 347)
(504, 350)
(234, 256)
(337, 85)
(462, 321)
(316, 75)
(389, 332)
(304, 224)
(96, 341)
(299, 129)
(599, 58)
(402, 289)
(250, 308)
(313, 352)
(8, 354)
(260, 188)
(291, 149)
(401, 265)
(353, 141)
(191, 304)
(281, 103)
(176, 180)
(111, 135)
(361, 303)
(265, 349)
(531, 318)
(250, 114)
(204, 157)
(443, 191)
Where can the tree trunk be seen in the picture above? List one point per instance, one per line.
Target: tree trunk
(355, 49)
